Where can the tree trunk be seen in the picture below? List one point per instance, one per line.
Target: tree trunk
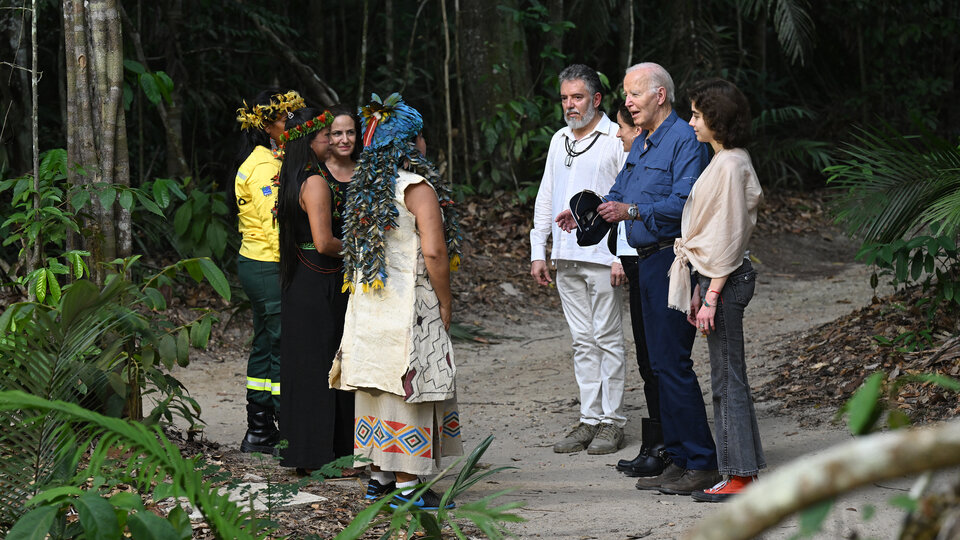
(96, 125)
(15, 90)
(494, 44)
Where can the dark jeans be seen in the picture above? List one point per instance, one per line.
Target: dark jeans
(261, 282)
(683, 415)
(651, 391)
(738, 436)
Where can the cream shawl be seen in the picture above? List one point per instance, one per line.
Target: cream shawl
(718, 219)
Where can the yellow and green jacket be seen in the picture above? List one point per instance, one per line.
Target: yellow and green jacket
(257, 184)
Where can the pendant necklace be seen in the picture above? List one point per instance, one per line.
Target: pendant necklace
(571, 153)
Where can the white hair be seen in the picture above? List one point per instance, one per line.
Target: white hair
(657, 77)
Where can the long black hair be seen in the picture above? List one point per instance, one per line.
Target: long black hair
(297, 157)
(249, 139)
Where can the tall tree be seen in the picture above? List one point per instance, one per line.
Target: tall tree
(96, 124)
(495, 46)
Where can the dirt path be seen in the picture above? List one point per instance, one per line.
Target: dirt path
(522, 390)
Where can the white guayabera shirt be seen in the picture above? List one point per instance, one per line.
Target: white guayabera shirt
(594, 169)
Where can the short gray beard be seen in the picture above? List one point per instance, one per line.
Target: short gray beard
(584, 120)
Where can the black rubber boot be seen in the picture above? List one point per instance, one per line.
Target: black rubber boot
(652, 459)
(262, 434)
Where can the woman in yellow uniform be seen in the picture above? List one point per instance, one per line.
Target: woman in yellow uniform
(258, 266)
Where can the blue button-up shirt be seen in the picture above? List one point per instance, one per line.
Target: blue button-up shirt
(658, 179)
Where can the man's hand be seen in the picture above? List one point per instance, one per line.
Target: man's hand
(613, 211)
(694, 306)
(565, 221)
(617, 276)
(539, 271)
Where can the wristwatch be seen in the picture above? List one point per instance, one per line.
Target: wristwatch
(633, 211)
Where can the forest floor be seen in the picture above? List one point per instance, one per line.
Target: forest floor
(809, 340)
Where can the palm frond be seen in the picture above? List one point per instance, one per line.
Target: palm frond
(794, 28)
(889, 185)
(152, 458)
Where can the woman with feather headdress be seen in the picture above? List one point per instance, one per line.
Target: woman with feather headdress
(401, 241)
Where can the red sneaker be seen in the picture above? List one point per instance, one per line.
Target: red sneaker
(724, 490)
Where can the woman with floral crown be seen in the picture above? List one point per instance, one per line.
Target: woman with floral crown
(317, 421)
(401, 241)
(255, 194)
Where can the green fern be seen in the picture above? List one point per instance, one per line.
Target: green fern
(152, 459)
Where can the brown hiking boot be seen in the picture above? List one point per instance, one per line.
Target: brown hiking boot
(575, 441)
(672, 473)
(609, 439)
(690, 481)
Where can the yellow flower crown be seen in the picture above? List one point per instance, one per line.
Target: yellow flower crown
(258, 115)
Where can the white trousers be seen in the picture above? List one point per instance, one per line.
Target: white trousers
(593, 310)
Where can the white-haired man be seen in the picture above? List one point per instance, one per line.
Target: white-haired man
(585, 155)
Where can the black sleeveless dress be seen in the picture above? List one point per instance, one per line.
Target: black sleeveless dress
(316, 421)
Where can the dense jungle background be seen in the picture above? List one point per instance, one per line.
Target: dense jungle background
(117, 262)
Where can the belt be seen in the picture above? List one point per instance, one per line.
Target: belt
(645, 251)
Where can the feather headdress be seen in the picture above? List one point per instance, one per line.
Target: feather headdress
(258, 115)
(389, 127)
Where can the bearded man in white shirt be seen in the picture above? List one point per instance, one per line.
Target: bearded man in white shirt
(584, 155)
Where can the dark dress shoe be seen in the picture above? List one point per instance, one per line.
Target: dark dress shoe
(690, 481)
(646, 464)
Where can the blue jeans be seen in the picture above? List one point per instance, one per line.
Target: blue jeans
(683, 415)
(735, 420)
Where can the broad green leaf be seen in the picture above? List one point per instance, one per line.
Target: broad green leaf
(79, 200)
(863, 406)
(168, 350)
(161, 193)
(97, 516)
(53, 286)
(55, 495)
(107, 196)
(149, 205)
(33, 525)
(904, 502)
(811, 518)
(897, 419)
(146, 525)
(216, 238)
(155, 298)
(134, 66)
(149, 86)
(216, 278)
(183, 348)
(181, 522)
(127, 96)
(40, 286)
(79, 296)
(147, 356)
(181, 219)
(127, 501)
(126, 199)
(165, 85)
(193, 267)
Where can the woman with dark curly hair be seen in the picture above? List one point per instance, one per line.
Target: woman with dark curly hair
(718, 219)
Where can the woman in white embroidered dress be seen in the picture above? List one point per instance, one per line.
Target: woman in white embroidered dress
(718, 219)
(401, 242)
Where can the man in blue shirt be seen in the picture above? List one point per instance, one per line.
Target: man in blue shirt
(649, 194)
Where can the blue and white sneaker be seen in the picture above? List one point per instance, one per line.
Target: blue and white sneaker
(428, 500)
(375, 489)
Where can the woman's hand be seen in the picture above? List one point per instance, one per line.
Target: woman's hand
(705, 319)
(694, 306)
(445, 314)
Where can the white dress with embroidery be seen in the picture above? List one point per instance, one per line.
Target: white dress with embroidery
(398, 357)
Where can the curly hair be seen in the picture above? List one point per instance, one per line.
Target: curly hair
(725, 111)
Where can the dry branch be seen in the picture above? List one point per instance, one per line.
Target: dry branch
(837, 470)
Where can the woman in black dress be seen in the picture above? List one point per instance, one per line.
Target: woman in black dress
(317, 421)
